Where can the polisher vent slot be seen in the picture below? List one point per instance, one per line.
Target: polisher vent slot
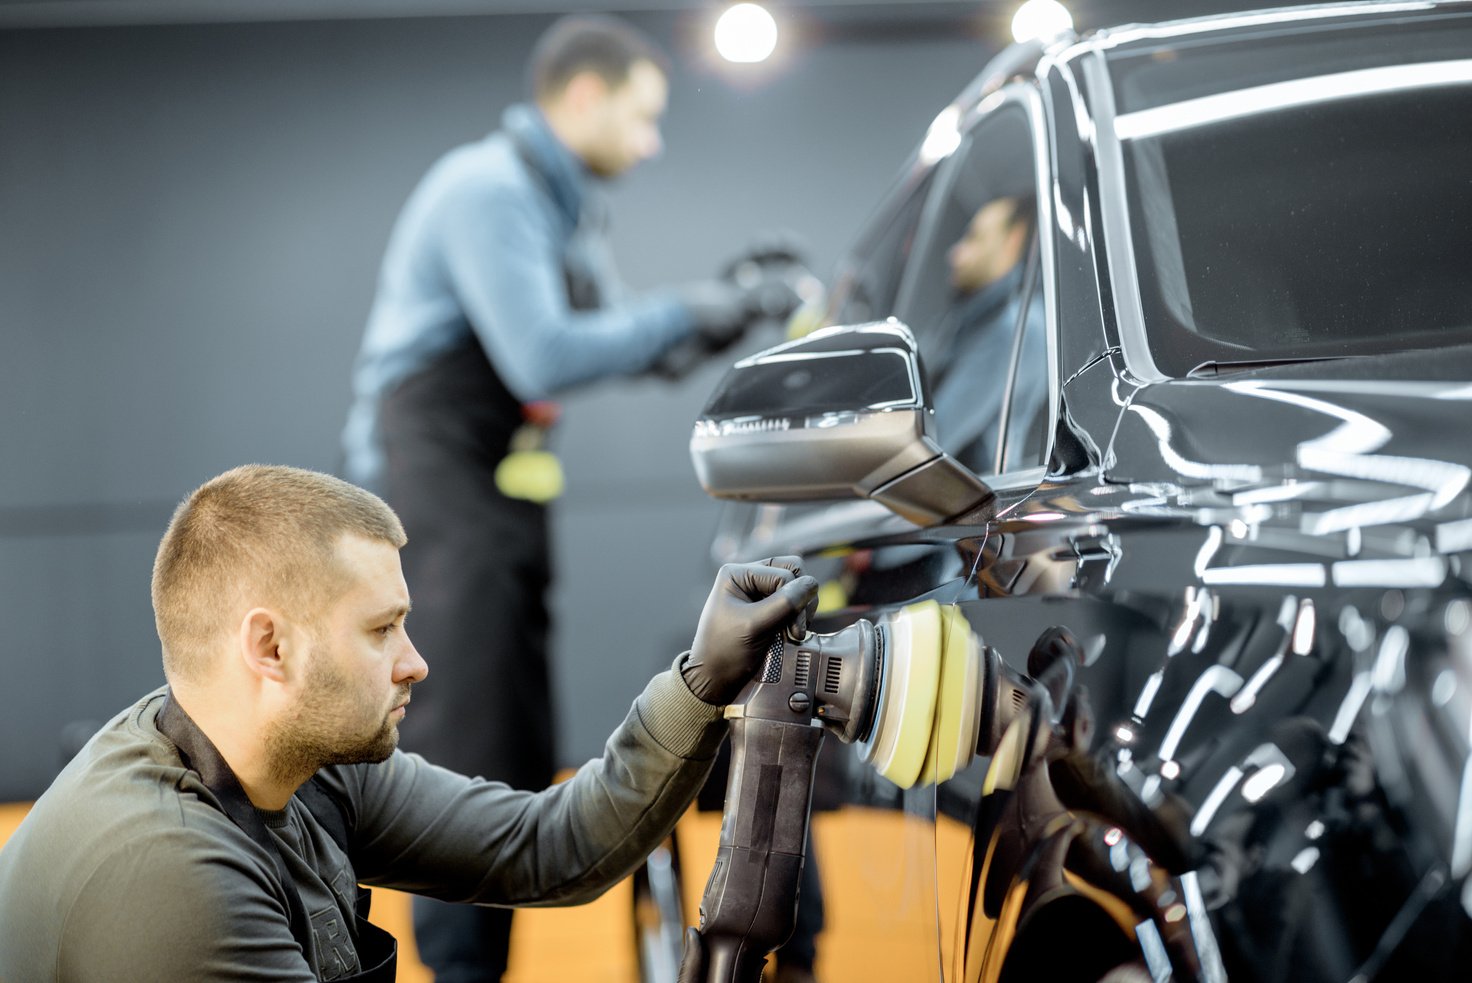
(772, 668)
(803, 669)
(833, 675)
(711, 885)
(1018, 699)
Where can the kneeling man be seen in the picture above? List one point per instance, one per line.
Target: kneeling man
(220, 827)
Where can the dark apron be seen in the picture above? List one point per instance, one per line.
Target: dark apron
(378, 951)
(478, 562)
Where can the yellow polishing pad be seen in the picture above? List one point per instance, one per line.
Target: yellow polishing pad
(1007, 760)
(831, 597)
(907, 702)
(953, 734)
(535, 476)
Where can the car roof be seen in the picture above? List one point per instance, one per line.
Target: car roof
(1225, 25)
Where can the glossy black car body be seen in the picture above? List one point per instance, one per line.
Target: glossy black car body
(1236, 469)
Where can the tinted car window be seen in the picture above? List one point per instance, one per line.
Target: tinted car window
(1318, 216)
(1026, 445)
(866, 289)
(969, 294)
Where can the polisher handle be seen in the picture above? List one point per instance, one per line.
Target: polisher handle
(750, 902)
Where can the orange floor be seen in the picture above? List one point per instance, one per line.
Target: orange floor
(880, 909)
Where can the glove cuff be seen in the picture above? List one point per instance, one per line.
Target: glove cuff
(698, 681)
(678, 719)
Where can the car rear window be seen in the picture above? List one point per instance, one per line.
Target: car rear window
(1320, 208)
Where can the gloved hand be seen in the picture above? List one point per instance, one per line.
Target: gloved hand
(720, 309)
(775, 295)
(771, 249)
(766, 283)
(692, 959)
(748, 605)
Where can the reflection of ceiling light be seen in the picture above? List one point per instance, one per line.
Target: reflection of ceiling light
(1262, 782)
(1039, 20)
(1444, 688)
(746, 33)
(1305, 860)
(1303, 628)
(943, 137)
(1293, 94)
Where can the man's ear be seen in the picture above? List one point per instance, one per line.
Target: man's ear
(584, 90)
(1017, 235)
(263, 645)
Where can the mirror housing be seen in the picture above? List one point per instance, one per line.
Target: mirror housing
(840, 413)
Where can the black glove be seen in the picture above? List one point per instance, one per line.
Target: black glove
(692, 960)
(748, 605)
(775, 296)
(772, 249)
(766, 283)
(722, 312)
(774, 272)
(720, 309)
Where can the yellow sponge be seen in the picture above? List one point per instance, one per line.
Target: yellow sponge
(953, 734)
(901, 733)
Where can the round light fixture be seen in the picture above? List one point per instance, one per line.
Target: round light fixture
(1039, 20)
(746, 33)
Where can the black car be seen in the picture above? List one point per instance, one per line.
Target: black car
(1212, 422)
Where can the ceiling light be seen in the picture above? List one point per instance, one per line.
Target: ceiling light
(1039, 20)
(746, 33)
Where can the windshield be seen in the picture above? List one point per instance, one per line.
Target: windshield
(1322, 210)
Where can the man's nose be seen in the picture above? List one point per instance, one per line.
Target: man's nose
(411, 666)
(653, 144)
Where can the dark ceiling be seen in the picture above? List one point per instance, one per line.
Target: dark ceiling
(860, 17)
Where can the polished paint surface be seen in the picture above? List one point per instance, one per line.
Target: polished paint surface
(1259, 764)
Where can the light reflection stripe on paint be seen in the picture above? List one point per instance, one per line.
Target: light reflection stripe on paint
(1426, 571)
(1273, 574)
(1294, 94)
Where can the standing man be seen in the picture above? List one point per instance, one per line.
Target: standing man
(218, 829)
(497, 292)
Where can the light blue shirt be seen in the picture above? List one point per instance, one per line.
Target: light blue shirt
(481, 247)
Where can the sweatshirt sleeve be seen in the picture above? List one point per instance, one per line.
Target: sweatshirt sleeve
(502, 257)
(428, 830)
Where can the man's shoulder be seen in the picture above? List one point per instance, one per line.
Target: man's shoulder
(121, 826)
(123, 877)
(483, 167)
(125, 790)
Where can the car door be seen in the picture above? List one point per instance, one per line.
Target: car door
(983, 344)
(993, 385)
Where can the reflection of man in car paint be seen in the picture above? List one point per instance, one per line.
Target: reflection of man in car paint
(975, 347)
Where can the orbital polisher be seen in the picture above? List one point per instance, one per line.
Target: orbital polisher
(919, 696)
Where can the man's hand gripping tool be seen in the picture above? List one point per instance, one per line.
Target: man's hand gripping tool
(806, 687)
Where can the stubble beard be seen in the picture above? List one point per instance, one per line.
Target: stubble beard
(315, 734)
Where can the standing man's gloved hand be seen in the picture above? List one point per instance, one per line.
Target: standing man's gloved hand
(748, 605)
(720, 309)
(771, 249)
(720, 313)
(774, 270)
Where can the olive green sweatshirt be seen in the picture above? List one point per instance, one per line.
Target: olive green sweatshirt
(127, 869)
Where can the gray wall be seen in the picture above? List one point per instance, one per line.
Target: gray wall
(191, 218)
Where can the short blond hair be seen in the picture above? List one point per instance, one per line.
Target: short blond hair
(264, 532)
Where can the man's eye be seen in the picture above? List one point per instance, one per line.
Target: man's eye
(385, 629)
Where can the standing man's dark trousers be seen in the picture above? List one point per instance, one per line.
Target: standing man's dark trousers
(478, 569)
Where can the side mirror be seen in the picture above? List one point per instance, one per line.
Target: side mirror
(840, 413)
